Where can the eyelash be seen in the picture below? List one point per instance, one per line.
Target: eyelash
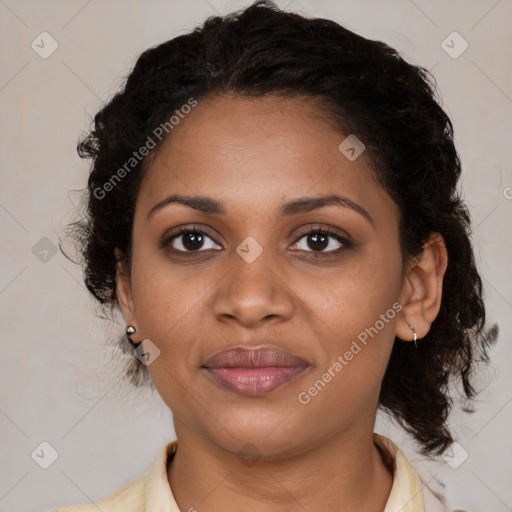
(345, 243)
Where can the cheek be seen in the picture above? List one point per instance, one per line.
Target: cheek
(353, 296)
(165, 300)
(354, 316)
(357, 337)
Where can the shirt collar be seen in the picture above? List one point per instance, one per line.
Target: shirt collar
(159, 497)
(405, 496)
(406, 492)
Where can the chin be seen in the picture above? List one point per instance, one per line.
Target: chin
(268, 435)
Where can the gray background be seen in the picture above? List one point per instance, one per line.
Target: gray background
(61, 382)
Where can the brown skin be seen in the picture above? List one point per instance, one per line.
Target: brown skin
(252, 155)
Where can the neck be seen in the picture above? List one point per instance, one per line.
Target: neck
(342, 473)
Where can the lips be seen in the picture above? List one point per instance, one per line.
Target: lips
(254, 372)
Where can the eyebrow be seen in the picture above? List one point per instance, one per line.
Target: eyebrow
(294, 207)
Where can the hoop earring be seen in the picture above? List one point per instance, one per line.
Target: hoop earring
(129, 331)
(414, 335)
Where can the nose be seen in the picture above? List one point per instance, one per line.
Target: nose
(253, 294)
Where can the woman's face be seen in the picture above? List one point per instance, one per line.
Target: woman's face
(254, 277)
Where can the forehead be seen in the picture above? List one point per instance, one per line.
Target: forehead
(246, 150)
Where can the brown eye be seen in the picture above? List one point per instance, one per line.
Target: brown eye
(321, 241)
(318, 241)
(191, 240)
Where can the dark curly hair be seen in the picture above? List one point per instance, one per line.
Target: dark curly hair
(366, 88)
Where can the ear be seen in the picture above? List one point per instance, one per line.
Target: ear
(422, 289)
(124, 291)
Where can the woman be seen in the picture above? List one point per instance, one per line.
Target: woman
(273, 206)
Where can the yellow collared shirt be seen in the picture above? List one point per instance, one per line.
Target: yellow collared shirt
(151, 491)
